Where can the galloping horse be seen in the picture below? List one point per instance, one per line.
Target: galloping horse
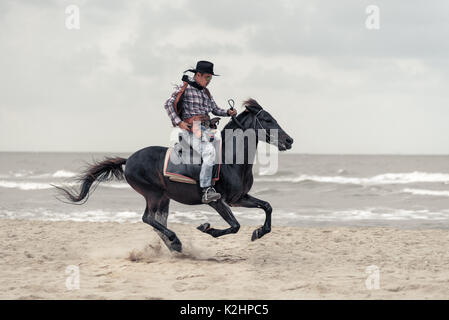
(144, 173)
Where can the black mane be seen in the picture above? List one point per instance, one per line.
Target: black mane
(251, 103)
(243, 114)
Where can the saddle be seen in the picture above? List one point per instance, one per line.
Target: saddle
(186, 168)
(205, 121)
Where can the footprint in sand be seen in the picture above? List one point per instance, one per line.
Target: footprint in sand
(184, 286)
(189, 276)
(180, 286)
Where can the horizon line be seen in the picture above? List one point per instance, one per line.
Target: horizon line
(289, 153)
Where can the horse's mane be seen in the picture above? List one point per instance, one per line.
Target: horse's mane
(251, 103)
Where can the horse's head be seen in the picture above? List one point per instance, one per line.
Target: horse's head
(257, 118)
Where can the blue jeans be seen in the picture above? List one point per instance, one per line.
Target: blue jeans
(206, 149)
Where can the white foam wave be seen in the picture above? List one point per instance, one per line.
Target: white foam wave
(383, 214)
(194, 216)
(387, 178)
(17, 174)
(24, 185)
(115, 185)
(79, 216)
(29, 185)
(32, 175)
(246, 217)
(63, 174)
(424, 192)
(22, 173)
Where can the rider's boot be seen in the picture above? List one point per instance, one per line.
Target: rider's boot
(209, 195)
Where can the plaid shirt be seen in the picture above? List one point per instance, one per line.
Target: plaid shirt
(196, 102)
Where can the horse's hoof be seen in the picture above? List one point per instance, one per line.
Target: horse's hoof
(259, 233)
(176, 245)
(204, 227)
(255, 235)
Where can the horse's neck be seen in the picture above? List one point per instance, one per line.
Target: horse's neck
(247, 165)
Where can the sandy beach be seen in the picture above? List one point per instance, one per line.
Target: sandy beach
(128, 261)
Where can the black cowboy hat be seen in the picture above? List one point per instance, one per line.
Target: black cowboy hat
(204, 67)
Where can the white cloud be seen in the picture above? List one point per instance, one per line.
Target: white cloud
(334, 85)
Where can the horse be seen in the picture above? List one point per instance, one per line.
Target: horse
(144, 173)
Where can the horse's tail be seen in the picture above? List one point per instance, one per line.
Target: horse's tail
(97, 172)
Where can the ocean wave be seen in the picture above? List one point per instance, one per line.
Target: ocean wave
(63, 174)
(17, 174)
(245, 216)
(30, 185)
(387, 178)
(43, 214)
(424, 192)
(270, 191)
(193, 216)
(24, 185)
(33, 175)
(123, 185)
(379, 214)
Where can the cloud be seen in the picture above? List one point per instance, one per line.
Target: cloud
(321, 28)
(329, 81)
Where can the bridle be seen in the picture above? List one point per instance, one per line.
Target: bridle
(256, 120)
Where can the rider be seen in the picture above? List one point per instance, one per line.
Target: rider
(196, 105)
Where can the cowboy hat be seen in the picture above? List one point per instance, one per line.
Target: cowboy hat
(203, 67)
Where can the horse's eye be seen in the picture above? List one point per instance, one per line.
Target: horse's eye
(268, 120)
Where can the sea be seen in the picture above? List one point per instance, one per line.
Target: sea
(400, 191)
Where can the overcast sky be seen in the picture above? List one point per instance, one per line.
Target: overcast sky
(333, 84)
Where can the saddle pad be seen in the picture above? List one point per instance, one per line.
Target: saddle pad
(175, 170)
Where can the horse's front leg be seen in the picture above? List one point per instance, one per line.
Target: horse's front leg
(248, 201)
(226, 213)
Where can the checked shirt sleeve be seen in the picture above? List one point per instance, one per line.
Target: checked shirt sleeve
(169, 107)
(216, 110)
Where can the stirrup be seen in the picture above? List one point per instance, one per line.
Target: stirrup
(206, 198)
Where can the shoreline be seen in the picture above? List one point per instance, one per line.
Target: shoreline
(128, 261)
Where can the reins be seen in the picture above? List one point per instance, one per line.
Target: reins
(239, 124)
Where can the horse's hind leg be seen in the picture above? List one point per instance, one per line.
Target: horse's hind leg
(226, 213)
(155, 215)
(161, 216)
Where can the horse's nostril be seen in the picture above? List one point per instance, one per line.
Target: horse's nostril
(289, 140)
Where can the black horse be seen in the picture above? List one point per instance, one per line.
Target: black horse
(144, 173)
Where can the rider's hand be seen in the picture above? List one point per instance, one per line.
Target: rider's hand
(183, 125)
(232, 112)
